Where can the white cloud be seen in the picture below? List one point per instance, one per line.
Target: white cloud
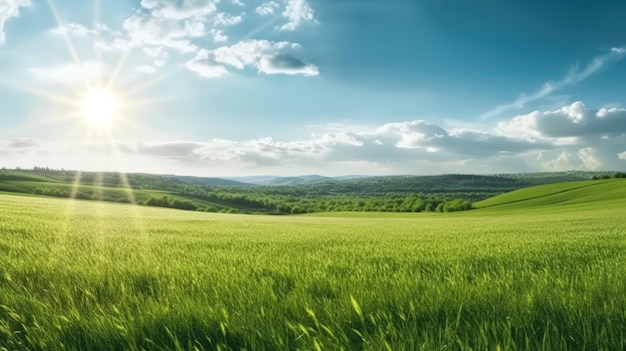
(144, 30)
(267, 8)
(179, 10)
(117, 45)
(181, 26)
(572, 78)
(69, 73)
(584, 159)
(204, 65)
(146, 69)
(73, 28)
(408, 135)
(218, 35)
(159, 55)
(9, 9)
(622, 155)
(169, 24)
(267, 57)
(573, 120)
(564, 162)
(522, 127)
(298, 12)
(224, 19)
(588, 158)
(81, 31)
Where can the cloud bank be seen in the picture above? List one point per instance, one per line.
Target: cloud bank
(570, 138)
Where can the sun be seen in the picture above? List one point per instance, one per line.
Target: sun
(99, 106)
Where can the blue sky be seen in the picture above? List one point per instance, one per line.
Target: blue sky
(289, 87)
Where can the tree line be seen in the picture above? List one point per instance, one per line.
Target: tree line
(285, 204)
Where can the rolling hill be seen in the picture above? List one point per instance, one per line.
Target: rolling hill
(607, 192)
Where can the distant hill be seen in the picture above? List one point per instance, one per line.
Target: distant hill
(289, 181)
(207, 181)
(465, 186)
(280, 195)
(308, 179)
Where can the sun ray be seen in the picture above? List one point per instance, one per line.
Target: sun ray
(152, 82)
(123, 178)
(117, 70)
(261, 28)
(68, 43)
(75, 184)
(96, 25)
(92, 134)
(42, 93)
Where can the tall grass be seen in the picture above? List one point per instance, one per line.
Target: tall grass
(78, 275)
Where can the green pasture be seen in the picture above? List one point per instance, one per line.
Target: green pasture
(607, 192)
(83, 275)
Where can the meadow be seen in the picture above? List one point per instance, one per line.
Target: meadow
(540, 270)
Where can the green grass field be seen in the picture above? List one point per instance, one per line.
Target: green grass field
(542, 269)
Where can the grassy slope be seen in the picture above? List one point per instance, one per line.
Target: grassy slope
(586, 193)
(116, 194)
(99, 276)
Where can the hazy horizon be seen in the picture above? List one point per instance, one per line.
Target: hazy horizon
(295, 87)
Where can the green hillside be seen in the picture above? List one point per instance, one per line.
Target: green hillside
(609, 192)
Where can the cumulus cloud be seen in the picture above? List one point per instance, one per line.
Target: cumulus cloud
(267, 8)
(267, 57)
(583, 159)
(574, 76)
(9, 9)
(588, 158)
(218, 35)
(179, 10)
(622, 155)
(205, 65)
(297, 12)
(224, 19)
(569, 121)
(171, 24)
(563, 162)
(149, 31)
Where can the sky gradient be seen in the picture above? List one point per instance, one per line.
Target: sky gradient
(292, 87)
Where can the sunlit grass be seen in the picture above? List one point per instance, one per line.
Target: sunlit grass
(580, 192)
(96, 278)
